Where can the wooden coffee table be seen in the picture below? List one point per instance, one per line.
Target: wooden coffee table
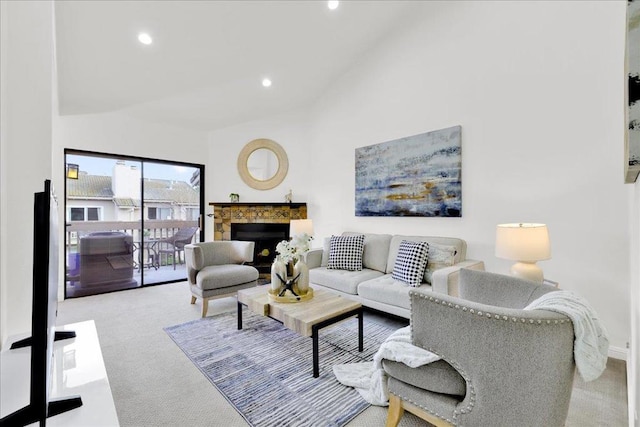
(305, 318)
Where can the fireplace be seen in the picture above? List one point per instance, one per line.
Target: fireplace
(266, 236)
(265, 223)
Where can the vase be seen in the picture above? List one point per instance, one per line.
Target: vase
(301, 268)
(278, 268)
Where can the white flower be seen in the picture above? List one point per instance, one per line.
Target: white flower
(289, 250)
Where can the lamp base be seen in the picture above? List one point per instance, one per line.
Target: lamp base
(528, 271)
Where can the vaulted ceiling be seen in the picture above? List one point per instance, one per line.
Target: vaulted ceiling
(208, 58)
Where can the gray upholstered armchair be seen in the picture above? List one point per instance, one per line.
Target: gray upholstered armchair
(501, 365)
(215, 269)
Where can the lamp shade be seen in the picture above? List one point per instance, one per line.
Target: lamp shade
(523, 242)
(300, 226)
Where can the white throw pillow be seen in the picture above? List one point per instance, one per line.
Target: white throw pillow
(440, 256)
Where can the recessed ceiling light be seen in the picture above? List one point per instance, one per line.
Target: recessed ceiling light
(333, 4)
(266, 82)
(145, 38)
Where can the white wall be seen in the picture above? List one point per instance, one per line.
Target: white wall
(537, 89)
(540, 103)
(25, 153)
(291, 131)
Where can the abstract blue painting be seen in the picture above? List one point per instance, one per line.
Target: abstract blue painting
(414, 176)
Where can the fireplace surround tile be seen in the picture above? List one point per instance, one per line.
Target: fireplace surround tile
(224, 214)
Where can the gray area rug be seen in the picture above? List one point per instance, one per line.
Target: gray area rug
(265, 370)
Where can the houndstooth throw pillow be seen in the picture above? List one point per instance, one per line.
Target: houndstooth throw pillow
(345, 252)
(411, 262)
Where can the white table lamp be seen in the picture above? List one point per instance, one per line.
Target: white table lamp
(300, 226)
(526, 243)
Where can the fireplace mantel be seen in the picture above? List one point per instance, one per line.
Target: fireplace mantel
(227, 213)
(225, 204)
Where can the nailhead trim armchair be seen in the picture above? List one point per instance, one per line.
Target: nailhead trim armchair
(517, 364)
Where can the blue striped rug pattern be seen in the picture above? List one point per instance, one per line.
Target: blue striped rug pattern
(265, 370)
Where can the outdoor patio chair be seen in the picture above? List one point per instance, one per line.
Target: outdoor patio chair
(175, 244)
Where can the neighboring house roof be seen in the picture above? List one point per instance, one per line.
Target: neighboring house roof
(155, 190)
(123, 202)
(89, 187)
(178, 192)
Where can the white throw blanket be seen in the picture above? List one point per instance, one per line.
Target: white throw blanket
(591, 345)
(370, 379)
(590, 348)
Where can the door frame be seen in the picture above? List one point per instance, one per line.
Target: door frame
(142, 160)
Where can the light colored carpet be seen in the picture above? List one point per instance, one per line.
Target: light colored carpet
(154, 384)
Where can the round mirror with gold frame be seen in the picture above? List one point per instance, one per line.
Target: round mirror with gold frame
(263, 164)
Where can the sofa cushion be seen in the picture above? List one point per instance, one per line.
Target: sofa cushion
(345, 252)
(325, 251)
(223, 276)
(437, 377)
(440, 256)
(386, 289)
(411, 262)
(342, 280)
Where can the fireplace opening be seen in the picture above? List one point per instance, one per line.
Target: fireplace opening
(266, 237)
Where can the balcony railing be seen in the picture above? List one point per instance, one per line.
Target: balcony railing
(145, 259)
(153, 229)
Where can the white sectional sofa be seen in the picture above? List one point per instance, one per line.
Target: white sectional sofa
(374, 285)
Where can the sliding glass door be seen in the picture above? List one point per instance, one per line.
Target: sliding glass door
(172, 210)
(128, 220)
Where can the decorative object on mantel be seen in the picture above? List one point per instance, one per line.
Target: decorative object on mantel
(234, 197)
(413, 176)
(632, 131)
(293, 288)
(288, 197)
(525, 243)
(263, 164)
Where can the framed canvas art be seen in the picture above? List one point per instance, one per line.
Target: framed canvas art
(418, 175)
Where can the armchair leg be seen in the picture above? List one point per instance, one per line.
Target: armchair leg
(397, 407)
(193, 299)
(396, 411)
(205, 306)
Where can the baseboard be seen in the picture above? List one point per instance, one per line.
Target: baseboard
(631, 393)
(618, 353)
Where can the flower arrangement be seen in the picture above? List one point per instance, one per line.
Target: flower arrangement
(294, 249)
